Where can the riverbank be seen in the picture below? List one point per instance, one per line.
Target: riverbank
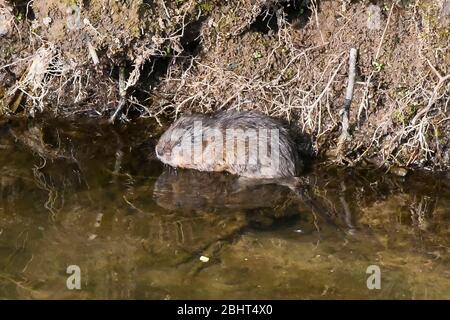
(140, 59)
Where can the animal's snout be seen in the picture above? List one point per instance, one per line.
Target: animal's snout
(162, 151)
(158, 151)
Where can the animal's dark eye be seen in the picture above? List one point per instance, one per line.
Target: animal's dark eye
(180, 141)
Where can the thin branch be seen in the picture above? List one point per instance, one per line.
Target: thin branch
(348, 94)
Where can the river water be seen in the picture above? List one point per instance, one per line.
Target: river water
(94, 197)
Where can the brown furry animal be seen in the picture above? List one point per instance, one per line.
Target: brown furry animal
(246, 144)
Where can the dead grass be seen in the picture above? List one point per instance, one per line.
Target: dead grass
(302, 81)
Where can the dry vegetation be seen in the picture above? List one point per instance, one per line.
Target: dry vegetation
(284, 58)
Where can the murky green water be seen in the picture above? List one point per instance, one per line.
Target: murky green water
(95, 197)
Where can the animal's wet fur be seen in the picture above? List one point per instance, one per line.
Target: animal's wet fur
(291, 153)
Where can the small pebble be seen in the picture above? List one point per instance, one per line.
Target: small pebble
(204, 259)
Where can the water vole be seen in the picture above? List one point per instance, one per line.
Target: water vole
(246, 144)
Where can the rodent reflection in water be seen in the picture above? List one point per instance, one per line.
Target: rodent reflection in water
(195, 190)
(191, 189)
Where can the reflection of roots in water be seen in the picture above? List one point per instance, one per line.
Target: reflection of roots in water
(33, 139)
(420, 211)
(348, 214)
(21, 284)
(43, 184)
